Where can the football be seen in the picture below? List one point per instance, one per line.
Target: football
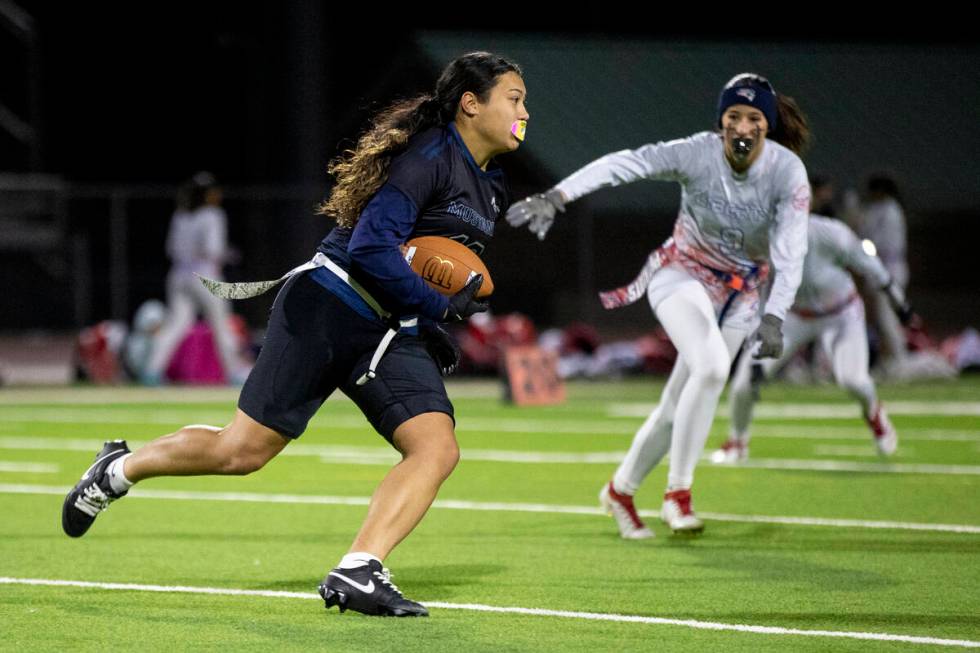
(446, 264)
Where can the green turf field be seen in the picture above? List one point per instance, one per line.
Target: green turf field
(815, 535)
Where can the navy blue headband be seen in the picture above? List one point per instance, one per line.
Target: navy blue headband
(753, 90)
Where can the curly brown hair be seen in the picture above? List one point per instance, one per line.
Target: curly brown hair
(361, 172)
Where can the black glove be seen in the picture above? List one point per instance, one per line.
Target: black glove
(441, 346)
(537, 211)
(770, 336)
(462, 305)
(899, 303)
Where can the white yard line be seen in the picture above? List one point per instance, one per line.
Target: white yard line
(191, 394)
(324, 421)
(813, 432)
(28, 468)
(332, 454)
(851, 466)
(453, 504)
(849, 410)
(611, 425)
(538, 612)
(859, 450)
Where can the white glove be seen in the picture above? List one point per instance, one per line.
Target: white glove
(537, 211)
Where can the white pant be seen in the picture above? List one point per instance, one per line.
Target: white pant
(842, 336)
(681, 421)
(185, 296)
(891, 335)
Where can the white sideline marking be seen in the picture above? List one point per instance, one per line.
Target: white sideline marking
(861, 451)
(386, 456)
(849, 466)
(835, 523)
(55, 444)
(847, 410)
(538, 612)
(194, 394)
(339, 453)
(813, 432)
(326, 421)
(613, 426)
(453, 504)
(29, 468)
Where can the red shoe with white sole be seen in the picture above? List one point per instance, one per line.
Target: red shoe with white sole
(886, 438)
(620, 506)
(732, 452)
(678, 514)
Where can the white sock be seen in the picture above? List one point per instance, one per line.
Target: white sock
(117, 479)
(356, 559)
(620, 489)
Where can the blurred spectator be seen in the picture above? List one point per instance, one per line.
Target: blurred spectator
(822, 196)
(139, 345)
(882, 221)
(197, 244)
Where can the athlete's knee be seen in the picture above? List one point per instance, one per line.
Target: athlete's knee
(430, 439)
(243, 461)
(440, 454)
(242, 452)
(446, 458)
(711, 370)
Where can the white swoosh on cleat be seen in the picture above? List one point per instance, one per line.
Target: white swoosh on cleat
(364, 588)
(97, 461)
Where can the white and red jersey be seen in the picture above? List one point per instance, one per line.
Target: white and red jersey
(834, 253)
(198, 240)
(729, 222)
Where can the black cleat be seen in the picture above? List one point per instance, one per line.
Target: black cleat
(368, 589)
(92, 494)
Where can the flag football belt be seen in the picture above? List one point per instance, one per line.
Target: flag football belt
(666, 254)
(833, 310)
(246, 289)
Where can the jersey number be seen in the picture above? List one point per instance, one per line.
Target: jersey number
(476, 246)
(732, 241)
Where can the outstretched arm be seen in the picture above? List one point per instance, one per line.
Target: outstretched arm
(661, 161)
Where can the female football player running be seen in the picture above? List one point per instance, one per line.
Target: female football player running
(829, 311)
(743, 213)
(423, 167)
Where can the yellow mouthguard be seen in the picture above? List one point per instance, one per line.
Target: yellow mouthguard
(518, 129)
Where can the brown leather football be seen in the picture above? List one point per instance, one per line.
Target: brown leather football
(446, 264)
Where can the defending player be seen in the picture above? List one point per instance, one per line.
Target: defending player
(828, 311)
(744, 205)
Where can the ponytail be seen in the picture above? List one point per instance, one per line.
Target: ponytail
(792, 128)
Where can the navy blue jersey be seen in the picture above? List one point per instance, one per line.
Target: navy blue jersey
(434, 188)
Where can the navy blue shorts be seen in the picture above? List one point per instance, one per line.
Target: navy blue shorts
(314, 344)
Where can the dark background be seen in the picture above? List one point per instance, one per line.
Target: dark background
(129, 100)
